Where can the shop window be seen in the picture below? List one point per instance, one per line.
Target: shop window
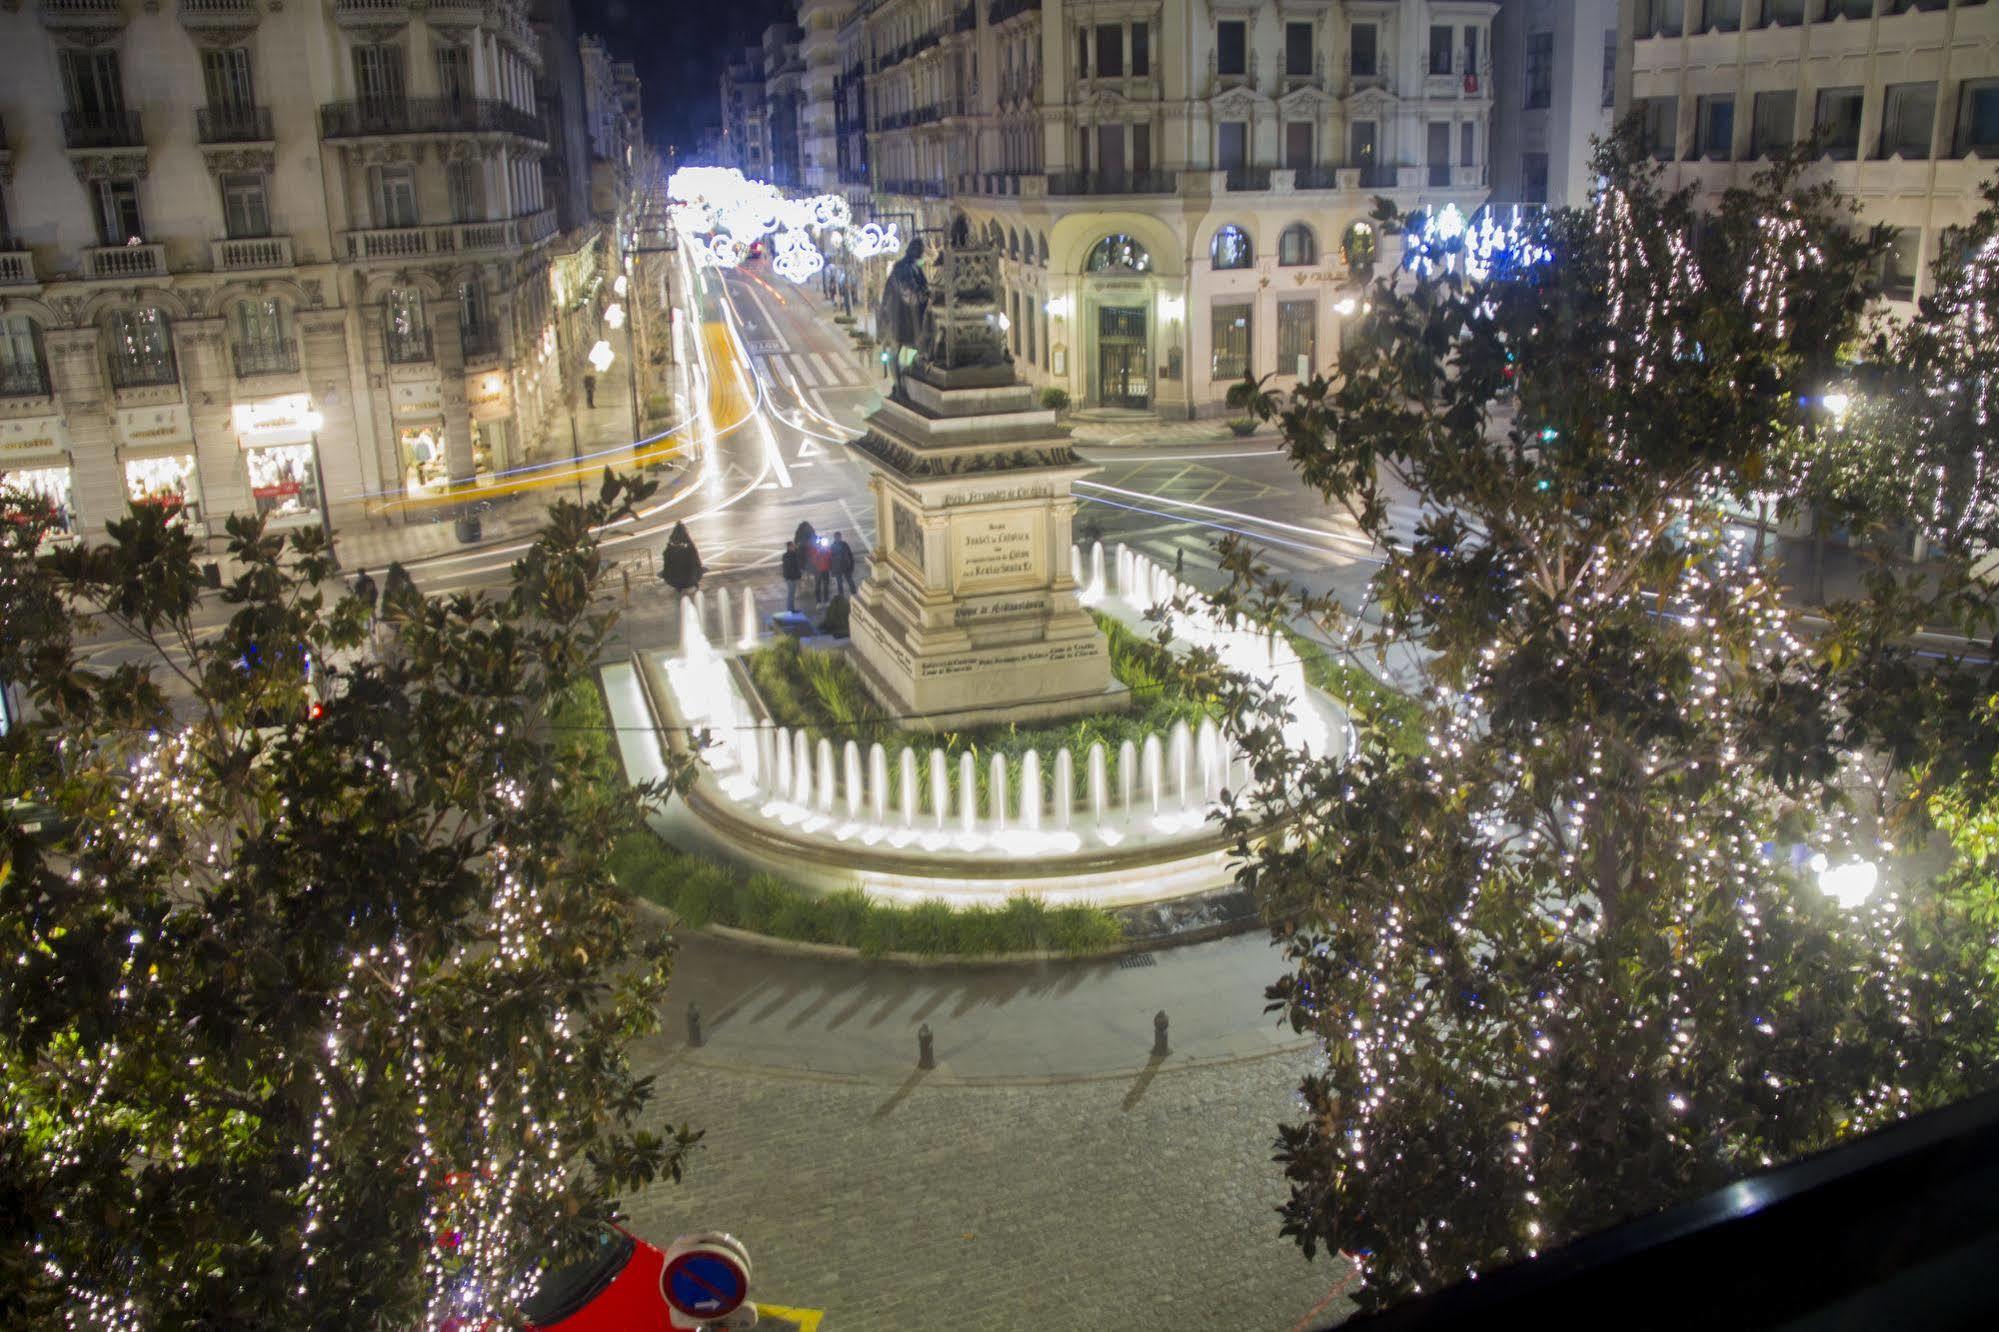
(168, 482)
(139, 349)
(491, 447)
(283, 480)
(24, 371)
(423, 457)
(1229, 328)
(51, 485)
(1231, 248)
(1297, 337)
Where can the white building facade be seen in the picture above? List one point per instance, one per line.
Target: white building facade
(1180, 187)
(1905, 94)
(280, 260)
(820, 21)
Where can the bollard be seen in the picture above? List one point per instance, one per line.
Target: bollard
(1159, 1050)
(925, 1056)
(694, 1025)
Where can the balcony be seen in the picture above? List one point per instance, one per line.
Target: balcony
(427, 115)
(233, 124)
(463, 238)
(218, 15)
(17, 268)
(1316, 178)
(84, 130)
(112, 263)
(23, 381)
(251, 254)
(920, 189)
(277, 357)
(1112, 182)
(480, 342)
(101, 14)
(132, 372)
(407, 348)
(370, 13)
(999, 11)
(1243, 178)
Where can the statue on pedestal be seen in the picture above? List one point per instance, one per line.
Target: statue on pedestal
(905, 308)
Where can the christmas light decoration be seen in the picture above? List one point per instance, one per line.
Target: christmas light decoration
(722, 213)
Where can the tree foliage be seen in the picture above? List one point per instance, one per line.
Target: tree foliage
(1572, 961)
(320, 993)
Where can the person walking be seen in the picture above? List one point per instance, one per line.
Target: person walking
(843, 565)
(792, 572)
(681, 565)
(365, 592)
(822, 573)
(589, 390)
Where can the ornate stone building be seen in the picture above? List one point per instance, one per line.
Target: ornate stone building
(1175, 184)
(274, 257)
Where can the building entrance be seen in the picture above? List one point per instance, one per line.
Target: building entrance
(1124, 373)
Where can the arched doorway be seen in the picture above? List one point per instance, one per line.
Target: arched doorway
(1117, 271)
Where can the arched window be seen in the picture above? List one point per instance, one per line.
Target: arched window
(260, 340)
(24, 369)
(1297, 246)
(140, 347)
(1118, 250)
(403, 326)
(1044, 249)
(1012, 243)
(1232, 248)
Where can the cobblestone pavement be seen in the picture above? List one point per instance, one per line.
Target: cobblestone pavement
(1141, 1202)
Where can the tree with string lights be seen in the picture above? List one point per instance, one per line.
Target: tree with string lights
(1629, 923)
(319, 989)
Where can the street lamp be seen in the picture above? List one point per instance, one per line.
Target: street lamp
(312, 422)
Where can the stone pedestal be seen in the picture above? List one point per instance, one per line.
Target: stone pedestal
(971, 614)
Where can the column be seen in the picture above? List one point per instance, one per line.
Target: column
(449, 355)
(348, 468)
(209, 384)
(76, 375)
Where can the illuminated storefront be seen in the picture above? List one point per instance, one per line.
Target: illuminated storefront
(490, 401)
(34, 458)
(279, 456)
(169, 481)
(419, 418)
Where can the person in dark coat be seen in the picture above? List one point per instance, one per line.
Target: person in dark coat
(792, 573)
(396, 583)
(365, 591)
(804, 538)
(843, 565)
(681, 565)
(821, 559)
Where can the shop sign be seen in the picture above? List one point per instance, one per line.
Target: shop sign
(488, 396)
(416, 399)
(287, 418)
(142, 427)
(25, 435)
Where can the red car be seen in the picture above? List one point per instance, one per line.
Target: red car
(614, 1288)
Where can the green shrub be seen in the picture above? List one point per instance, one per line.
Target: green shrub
(1372, 703)
(1055, 399)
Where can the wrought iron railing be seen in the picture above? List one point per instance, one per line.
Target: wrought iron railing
(277, 356)
(427, 115)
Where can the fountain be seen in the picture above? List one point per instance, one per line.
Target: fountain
(1097, 589)
(906, 770)
(801, 768)
(1208, 751)
(721, 616)
(940, 786)
(1154, 778)
(1075, 564)
(701, 610)
(850, 774)
(878, 782)
(1030, 791)
(968, 793)
(822, 779)
(751, 625)
(781, 787)
(996, 792)
(1065, 787)
(1100, 787)
(1180, 748)
(1127, 777)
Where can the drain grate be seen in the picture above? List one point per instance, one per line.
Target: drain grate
(1130, 960)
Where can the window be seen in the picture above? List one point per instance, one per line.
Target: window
(1232, 248)
(1533, 178)
(462, 183)
(1297, 246)
(1849, 9)
(1783, 13)
(1773, 122)
(246, 209)
(1232, 145)
(1082, 53)
(260, 339)
(403, 326)
(1231, 48)
(23, 370)
(1467, 144)
(1117, 250)
(1722, 15)
(1660, 117)
(478, 334)
(1540, 70)
(1229, 329)
(1297, 337)
(90, 83)
(225, 78)
(1298, 144)
(1471, 50)
(1028, 324)
(1660, 18)
(1440, 48)
(1837, 121)
(1610, 67)
(1438, 134)
(1141, 54)
(1361, 137)
(1898, 264)
(1110, 150)
(1978, 119)
(118, 220)
(378, 75)
(1141, 147)
(1909, 115)
(139, 348)
(394, 191)
(1110, 51)
(1717, 127)
(1361, 54)
(454, 74)
(1013, 322)
(1298, 50)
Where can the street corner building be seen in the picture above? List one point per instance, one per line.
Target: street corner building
(310, 261)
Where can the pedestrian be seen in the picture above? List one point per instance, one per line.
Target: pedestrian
(843, 565)
(396, 584)
(365, 592)
(589, 390)
(681, 565)
(792, 571)
(805, 538)
(822, 573)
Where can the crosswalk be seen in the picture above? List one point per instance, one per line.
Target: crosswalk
(812, 370)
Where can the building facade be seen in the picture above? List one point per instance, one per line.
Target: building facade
(287, 261)
(1903, 94)
(818, 153)
(1180, 187)
(1554, 75)
(784, 103)
(745, 145)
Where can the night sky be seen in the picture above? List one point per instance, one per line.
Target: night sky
(679, 47)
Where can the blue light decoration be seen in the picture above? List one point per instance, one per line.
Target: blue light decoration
(1497, 242)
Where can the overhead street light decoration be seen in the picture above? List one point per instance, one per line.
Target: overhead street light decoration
(723, 213)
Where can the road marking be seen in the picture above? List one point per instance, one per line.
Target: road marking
(802, 1320)
(808, 374)
(763, 346)
(832, 376)
(808, 449)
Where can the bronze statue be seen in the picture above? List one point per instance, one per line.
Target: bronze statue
(905, 305)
